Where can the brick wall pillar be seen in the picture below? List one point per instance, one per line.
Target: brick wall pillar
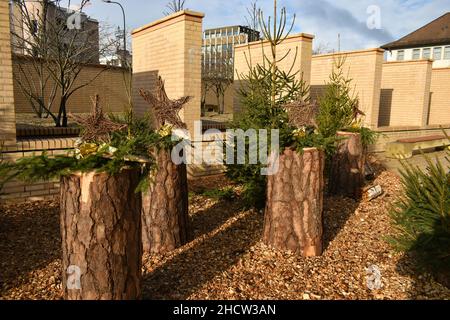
(298, 51)
(7, 113)
(170, 48)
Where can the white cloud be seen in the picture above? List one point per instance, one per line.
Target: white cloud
(323, 18)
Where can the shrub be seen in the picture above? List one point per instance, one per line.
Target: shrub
(422, 216)
(339, 107)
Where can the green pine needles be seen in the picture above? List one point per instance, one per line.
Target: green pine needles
(270, 96)
(127, 148)
(422, 216)
(339, 107)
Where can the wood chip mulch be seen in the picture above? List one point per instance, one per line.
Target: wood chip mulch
(226, 259)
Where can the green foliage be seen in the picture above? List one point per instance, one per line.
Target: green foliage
(127, 148)
(368, 136)
(422, 216)
(338, 106)
(226, 194)
(265, 92)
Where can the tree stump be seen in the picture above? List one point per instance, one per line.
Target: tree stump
(348, 166)
(101, 236)
(293, 217)
(165, 207)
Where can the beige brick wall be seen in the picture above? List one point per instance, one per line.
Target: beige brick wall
(364, 67)
(299, 47)
(440, 97)
(109, 83)
(170, 48)
(41, 190)
(7, 115)
(405, 93)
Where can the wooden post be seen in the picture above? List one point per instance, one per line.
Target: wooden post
(293, 218)
(348, 166)
(165, 207)
(101, 236)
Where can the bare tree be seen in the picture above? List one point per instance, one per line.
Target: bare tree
(252, 18)
(322, 48)
(174, 6)
(217, 76)
(57, 41)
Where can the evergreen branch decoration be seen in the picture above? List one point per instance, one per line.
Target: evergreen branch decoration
(164, 110)
(96, 127)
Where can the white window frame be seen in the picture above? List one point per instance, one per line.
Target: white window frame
(402, 55)
(434, 53)
(415, 51)
(426, 50)
(447, 53)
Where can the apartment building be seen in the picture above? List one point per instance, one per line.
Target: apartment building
(218, 45)
(432, 41)
(55, 20)
(218, 59)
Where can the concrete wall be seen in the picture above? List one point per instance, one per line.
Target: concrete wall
(7, 114)
(364, 67)
(440, 97)
(170, 48)
(405, 93)
(299, 47)
(110, 84)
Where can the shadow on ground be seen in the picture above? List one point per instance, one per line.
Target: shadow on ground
(29, 240)
(183, 274)
(337, 211)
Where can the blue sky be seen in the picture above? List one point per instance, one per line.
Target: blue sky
(323, 18)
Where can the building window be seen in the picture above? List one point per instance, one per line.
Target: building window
(437, 53)
(416, 54)
(401, 55)
(34, 27)
(426, 53)
(447, 53)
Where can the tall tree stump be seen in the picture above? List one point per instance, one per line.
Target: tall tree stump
(293, 218)
(165, 207)
(348, 166)
(101, 236)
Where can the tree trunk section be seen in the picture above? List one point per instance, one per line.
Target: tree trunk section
(293, 218)
(165, 207)
(101, 236)
(348, 166)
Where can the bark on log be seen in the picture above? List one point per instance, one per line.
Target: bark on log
(348, 166)
(165, 207)
(101, 236)
(293, 217)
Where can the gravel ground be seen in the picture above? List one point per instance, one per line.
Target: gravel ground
(226, 260)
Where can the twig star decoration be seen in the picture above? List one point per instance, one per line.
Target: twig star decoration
(302, 114)
(164, 110)
(96, 127)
